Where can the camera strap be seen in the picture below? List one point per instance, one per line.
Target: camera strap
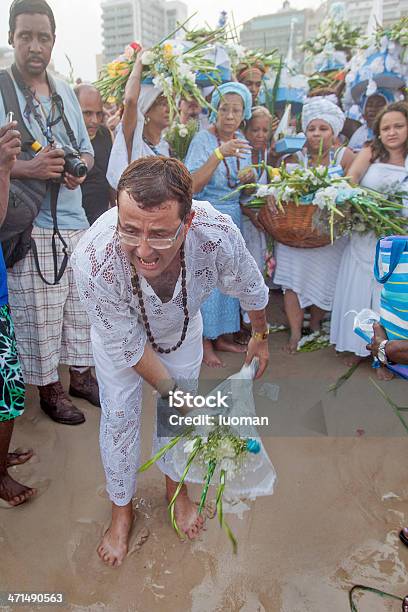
(54, 188)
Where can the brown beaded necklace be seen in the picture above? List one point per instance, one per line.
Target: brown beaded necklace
(231, 184)
(138, 291)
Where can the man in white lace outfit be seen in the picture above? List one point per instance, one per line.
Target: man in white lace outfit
(143, 270)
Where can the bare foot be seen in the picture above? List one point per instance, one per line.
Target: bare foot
(384, 374)
(115, 542)
(185, 510)
(19, 456)
(222, 344)
(187, 517)
(209, 356)
(351, 359)
(13, 492)
(291, 346)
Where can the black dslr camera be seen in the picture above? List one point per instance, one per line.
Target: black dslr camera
(73, 163)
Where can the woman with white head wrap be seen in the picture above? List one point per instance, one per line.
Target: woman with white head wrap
(216, 158)
(140, 134)
(308, 276)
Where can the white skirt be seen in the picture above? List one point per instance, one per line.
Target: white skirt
(356, 289)
(310, 273)
(255, 241)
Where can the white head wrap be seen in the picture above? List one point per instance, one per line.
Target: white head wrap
(326, 111)
(118, 160)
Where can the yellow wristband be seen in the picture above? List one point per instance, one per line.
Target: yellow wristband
(218, 154)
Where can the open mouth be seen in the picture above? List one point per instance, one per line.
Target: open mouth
(148, 265)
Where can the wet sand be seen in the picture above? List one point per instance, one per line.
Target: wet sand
(333, 521)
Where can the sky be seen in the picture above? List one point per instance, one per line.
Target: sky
(79, 26)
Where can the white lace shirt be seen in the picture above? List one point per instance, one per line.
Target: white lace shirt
(215, 255)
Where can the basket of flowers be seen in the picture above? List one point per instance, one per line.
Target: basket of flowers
(311, 207)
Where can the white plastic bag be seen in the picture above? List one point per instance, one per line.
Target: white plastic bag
(256, 475)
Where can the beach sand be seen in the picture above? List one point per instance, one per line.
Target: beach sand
(333, 521)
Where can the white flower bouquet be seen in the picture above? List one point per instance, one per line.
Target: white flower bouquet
(171, 64)
(179, 137)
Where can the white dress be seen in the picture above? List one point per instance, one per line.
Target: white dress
(255, 239)
(310, 273)
(356, 286)
(216, 257)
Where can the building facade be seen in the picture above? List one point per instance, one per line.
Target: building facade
(268, 32)
(144, 21)
(273, 31)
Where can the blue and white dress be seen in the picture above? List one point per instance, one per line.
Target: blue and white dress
(220, 312)
(311, 273)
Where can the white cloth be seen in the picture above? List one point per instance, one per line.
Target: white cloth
(255, 239)
(118, 160)
(359, 138)
(326, 111)
(215, 256)
(356, 286)
(310, 273)
(121, 403)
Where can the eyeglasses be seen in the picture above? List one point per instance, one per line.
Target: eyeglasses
(154, 243)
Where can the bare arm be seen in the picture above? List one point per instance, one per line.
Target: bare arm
(132, 93)
(152, 370)
(10, 147)
(232, 148)
(203, 175)
(360, 165)
(347, 160)
(89, 160)
(397, 351)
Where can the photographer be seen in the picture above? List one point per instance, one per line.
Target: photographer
(11, 378)
(51, 325)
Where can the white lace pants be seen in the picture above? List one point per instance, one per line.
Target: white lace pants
(121, 403)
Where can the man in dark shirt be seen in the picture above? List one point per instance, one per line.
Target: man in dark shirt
(96, 192)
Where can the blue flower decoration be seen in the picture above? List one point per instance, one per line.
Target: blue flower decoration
(253, 446)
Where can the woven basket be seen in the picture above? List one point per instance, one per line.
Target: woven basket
(293, 227)
(327, 90)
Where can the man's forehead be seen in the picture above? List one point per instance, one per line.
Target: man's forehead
(133, 209)
(34, 22)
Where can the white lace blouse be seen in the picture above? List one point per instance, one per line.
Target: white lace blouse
(215, 254)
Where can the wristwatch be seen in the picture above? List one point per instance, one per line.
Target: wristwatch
(381, 354)
(260, 335)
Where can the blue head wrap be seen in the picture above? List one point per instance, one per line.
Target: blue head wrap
(235, 88)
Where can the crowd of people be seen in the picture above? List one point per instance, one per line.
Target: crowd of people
(160, 282)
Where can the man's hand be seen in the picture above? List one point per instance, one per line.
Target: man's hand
(260, 349)
(48, 164)
(10, 146)
(72, 182)
(379, 336)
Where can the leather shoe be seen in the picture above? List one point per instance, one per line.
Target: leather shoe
(84, 385)
(58, 406)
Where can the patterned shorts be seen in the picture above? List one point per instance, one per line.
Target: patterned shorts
(12, 389)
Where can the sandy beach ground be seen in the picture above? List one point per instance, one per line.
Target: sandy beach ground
(333, 521)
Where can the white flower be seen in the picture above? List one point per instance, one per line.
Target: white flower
(325, 198)
(265, 190)
(225, 449)
(189, 446)
(147, 58)
(183, 131)
(230, 468)
(287, 193)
